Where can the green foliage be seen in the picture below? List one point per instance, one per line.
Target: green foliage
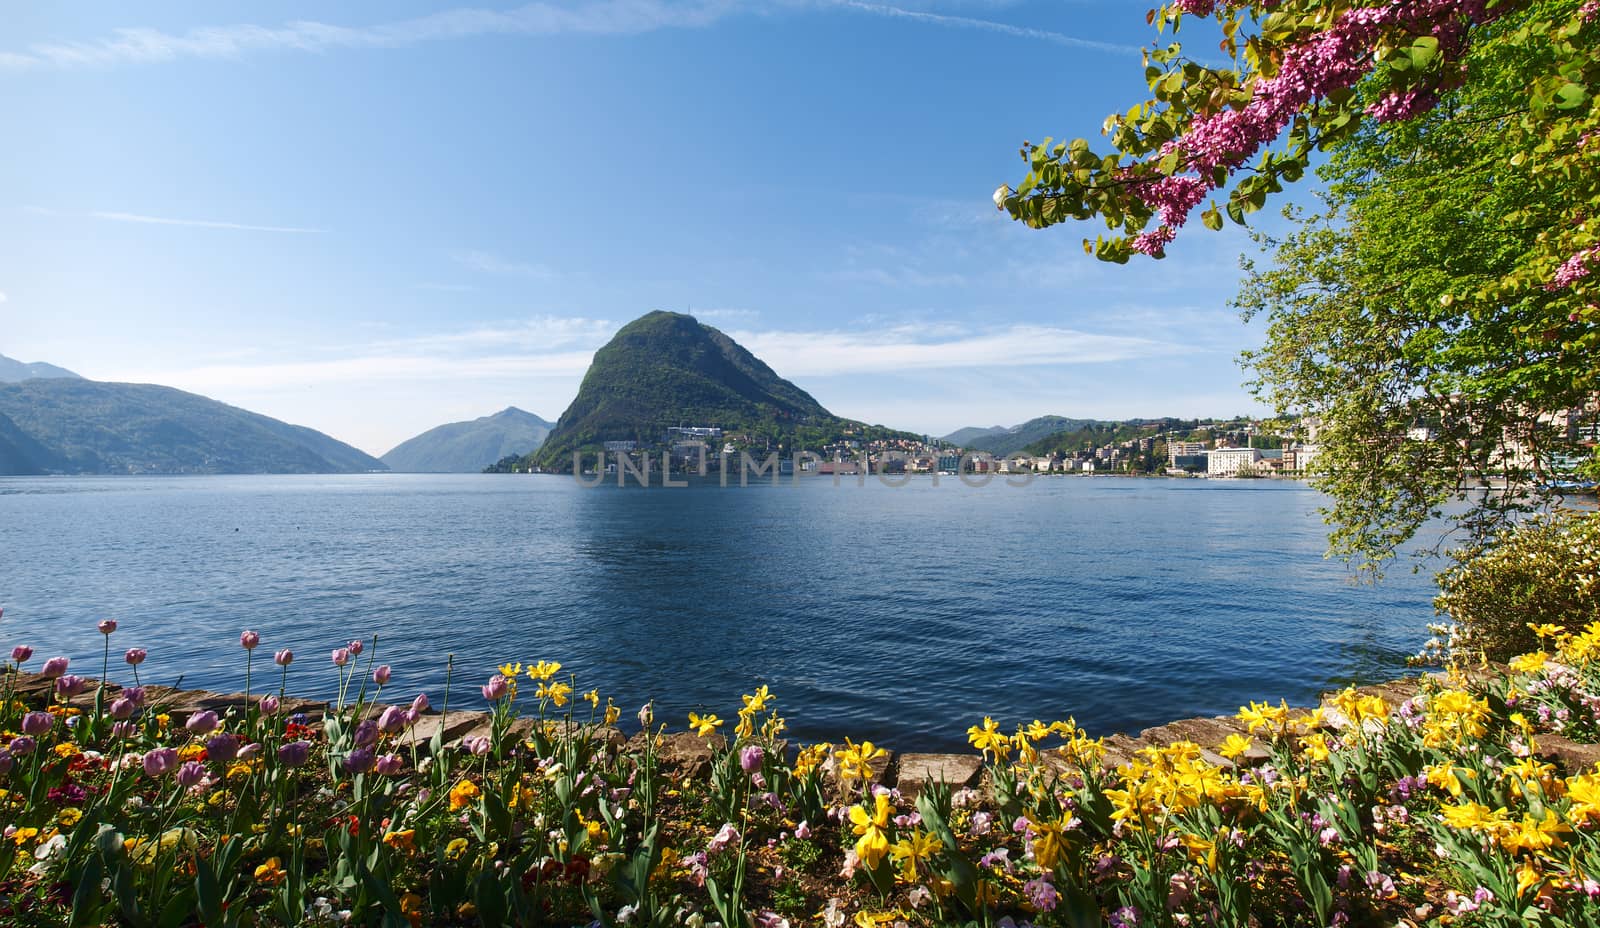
(88, 427)
(1544, 572)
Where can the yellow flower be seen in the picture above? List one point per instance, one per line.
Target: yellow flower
(915, 849)
(462, 794)
(411, 908)
(191, 751)
(593, 697)
(1259, 715)
(271, 872)
(511, 671)
(855, 760)
(1234, 746)
(758, 702)
(22, 836)
(1544, 631)
(1048, 843)
(1528, 663)
(65, 750)
(403, 841)
(810, 758)
(555, 692)
(69, 816)
(872, 828)
(988, 739)
(1534, 835)
(1471, 816)
(704, 725)
(1528, 877)
(612, 713)
(1316, 748)
(543, 670)
(455, 849)
(1584, 792)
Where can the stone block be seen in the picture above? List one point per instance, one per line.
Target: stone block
(919, 771)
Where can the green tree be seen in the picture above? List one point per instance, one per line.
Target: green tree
(1438, 310)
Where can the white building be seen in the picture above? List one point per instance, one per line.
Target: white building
(1230, 462)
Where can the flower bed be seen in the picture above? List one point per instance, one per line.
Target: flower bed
(146, 806)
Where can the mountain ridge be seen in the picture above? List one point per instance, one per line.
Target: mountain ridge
(78, 426)
(14, 371)
(469, 446)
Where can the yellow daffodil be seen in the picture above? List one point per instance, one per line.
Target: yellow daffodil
(1234, 746)
(873, 830)
(913, 852)
(543, 670)
(758, 701)
(555, 692)
(704, 725)
(855, 760)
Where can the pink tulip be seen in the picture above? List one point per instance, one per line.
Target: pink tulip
(391, 765)
(135, 656)
(6, 762)
(270, 705)
(160, 761)
(54, 667)
(380, 674)
(135, 695)
(420, 704)
(124, 729)
(393, 719)
(37, 723)
(341, 656)
(191, 774)
(248, 640)
(283, 658)
(750, 758)
(202, 723)
(355, 648)
(250, 751)
(70, 685)
(21, 653)
(495, 688)
(122, 708)
(107, 626)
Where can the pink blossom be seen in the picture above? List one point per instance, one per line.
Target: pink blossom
(54, 667)
(249, 639)
(390, 765)
(202, 723)
(270, 705)
(70, 685)
(381, 674)
(135, 656)
(283, 658)
(37, 723)
(1574, 269)
(21, 653)
(495, 688)
(160, 761)
(355, 648)
(341, 656)
(107, 626)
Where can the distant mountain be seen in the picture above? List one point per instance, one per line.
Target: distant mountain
(469, 447)
(667, 369)
(1001, 440)
(13, 371)
(87, 427)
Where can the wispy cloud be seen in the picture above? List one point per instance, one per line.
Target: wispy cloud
(907, 348)
(720, 315)
(139, 45)
(987, 25)
(490, 263)
(3, 297)
(196, 223)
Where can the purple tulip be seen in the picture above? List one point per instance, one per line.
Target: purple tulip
(295, 753)
(270, 705)
(159, 762)
(37, 723)
(479, 745)
(495, 688)
(135, 656)
(380, 674)
(122, 708)
(420, 704)
(70, 685)
(360, 760)
(283, 658)
(107, 626)
(248, 640)
(355, 648)
(366, 734)
(54, 667)
(202, 723)
(22, 745)
(136, 695)
(6, 762)
(222, 748)
(124, 729)
(750, 758)
(393, 719)
(250, 751)
(21, 653)
(191, 774)
(391, 765)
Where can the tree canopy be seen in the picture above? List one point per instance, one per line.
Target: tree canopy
(1437, 315)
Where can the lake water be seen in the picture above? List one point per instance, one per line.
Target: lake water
(901, 614)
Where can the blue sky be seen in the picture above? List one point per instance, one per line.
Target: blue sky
(372, 219)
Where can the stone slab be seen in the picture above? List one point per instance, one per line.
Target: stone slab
(918, 771)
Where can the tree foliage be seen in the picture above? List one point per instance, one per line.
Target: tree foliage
(1437, 315)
